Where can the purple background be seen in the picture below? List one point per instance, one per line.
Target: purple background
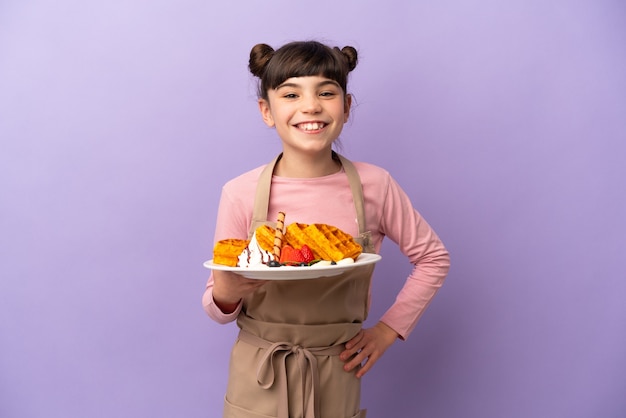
(504, 121)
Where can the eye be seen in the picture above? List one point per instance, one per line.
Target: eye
(290, 95)
(328, 94)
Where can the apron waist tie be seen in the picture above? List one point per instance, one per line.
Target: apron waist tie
(272, 369)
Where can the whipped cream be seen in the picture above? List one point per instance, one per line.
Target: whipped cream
(253, 255)
(338, 263)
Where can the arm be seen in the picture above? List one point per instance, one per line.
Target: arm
(404, 225)
(415, 238)
(225, 290)
(220, 312)
(224, 293)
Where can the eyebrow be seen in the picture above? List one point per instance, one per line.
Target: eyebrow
(320, 84)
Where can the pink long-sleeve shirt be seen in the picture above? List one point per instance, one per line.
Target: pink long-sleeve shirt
(389, 213)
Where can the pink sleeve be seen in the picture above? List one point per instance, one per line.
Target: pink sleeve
(416, 239)
(211, 308)
(232, 222)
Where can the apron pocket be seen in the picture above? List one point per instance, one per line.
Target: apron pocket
(233, 411)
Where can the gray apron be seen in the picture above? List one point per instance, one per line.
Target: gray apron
(285, 362)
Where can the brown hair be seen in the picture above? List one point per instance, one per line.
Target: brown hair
(300, 59)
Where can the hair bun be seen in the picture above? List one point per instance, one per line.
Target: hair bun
(260, 55)
(351, 57)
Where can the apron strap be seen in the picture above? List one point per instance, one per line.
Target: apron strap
(357, 191)
(262, 198)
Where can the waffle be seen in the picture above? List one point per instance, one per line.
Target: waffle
(227, 251)
(327, 242)
(265, 235)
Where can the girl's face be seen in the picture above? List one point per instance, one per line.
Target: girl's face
(307, 112)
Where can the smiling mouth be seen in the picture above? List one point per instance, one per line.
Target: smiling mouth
(311, 126)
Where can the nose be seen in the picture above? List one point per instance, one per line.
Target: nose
(311, 104)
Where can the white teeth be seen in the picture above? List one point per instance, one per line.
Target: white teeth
(311, 126)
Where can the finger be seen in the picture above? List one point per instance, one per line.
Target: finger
(348, 354)
(349, 366)
(371, 360)
(354, 340)
(356, 360)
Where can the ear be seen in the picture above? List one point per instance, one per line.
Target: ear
(266, 113)
(347, 104)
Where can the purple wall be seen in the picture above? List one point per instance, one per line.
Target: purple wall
(505, 122)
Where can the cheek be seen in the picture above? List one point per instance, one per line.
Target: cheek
(344, 112)
(282, 114)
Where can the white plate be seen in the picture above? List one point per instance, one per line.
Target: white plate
(295, 273)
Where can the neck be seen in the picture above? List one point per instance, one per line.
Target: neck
(299, 166)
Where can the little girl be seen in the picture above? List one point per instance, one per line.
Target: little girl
(301, 349)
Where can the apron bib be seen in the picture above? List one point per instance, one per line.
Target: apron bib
(285, 362)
